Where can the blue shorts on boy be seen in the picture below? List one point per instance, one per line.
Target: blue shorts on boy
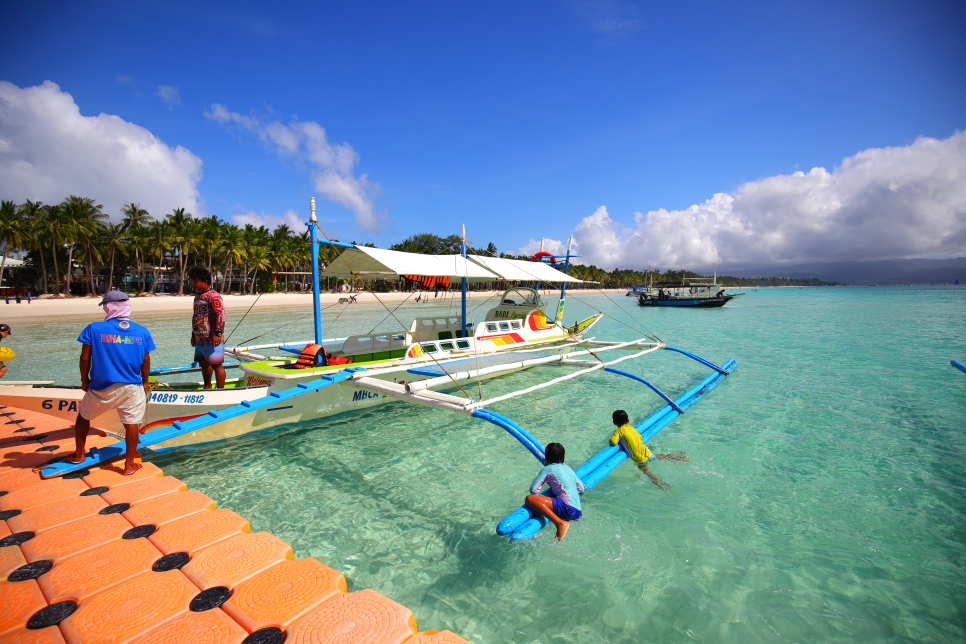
(211, 354)
(118, 347)
(565, 489)
(564, 511)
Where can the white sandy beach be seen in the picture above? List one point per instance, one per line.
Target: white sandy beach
(87, 308)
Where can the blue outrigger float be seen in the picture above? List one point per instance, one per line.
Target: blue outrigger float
(426, 364)
(958, 365)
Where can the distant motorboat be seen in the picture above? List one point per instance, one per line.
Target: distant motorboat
(686, 294)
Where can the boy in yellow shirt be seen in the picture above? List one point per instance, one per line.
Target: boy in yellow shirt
(632, 443)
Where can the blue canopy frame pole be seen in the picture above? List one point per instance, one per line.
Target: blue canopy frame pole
(563, 285)
(316, 297)
(660, 393)
(463, 284)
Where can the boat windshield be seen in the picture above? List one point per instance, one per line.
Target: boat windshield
(521, 297)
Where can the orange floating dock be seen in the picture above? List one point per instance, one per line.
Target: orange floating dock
(99, 557)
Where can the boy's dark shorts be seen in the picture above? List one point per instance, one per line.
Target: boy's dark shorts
(564, 511)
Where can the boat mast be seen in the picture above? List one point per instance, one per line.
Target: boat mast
(463, 281)
(563, 285)
(316, 310)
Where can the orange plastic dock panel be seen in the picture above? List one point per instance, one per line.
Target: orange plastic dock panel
(237, 558)
(49, 635)
(4, 530)
(42, 493)
(283, 593)
(90, 572)
(365, 616)
(168, 507)
(15, 479)
(110, 475)
(18, 601)
(196, 531)
(57, 513)
(210, 627)
(19, 458)
(144, 489)
(10, 557)
(75, 537)
(440, 637)
(125, 612)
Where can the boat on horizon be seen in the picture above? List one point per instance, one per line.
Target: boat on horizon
(687, 294)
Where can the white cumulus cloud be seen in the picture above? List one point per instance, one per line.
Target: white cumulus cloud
(881, 203)
(49, 151)
(333, 164)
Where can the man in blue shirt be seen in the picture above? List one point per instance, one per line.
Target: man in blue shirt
(114, 365)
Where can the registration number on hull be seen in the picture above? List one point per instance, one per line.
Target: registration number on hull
(185, 399)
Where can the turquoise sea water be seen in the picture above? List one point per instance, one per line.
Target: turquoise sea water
(825, 500)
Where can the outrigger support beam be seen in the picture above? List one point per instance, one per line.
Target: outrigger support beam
(700, 359)
(660, 393)
(528, 441)
(523, 523)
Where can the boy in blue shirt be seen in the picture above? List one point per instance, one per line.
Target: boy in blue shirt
(114, 365)
(565, 488)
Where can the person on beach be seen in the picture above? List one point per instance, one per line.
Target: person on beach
(208, 327)
(632, 443)
(563, 504)
(114, 365)
(4, 332)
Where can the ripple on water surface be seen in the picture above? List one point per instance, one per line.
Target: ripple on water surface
(824, 501)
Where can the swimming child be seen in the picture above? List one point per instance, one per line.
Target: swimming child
(632, 442)
(564, 503)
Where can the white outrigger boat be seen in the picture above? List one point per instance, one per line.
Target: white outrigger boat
(428, 363)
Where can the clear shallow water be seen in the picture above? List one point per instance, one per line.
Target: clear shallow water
(825, 500)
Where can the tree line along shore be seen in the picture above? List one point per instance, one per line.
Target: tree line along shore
(72, 248)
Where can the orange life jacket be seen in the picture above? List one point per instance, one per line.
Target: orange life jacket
(307, 359)
(332, 358)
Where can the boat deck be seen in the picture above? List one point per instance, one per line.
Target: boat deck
(95, 556)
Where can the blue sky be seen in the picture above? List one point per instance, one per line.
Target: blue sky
(520, 121)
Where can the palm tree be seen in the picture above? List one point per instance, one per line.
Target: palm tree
(113, 241)
(258, 259)
(85, 216)
(134, 222)
(158, 243)
(232, 244)
(52, 231)
(180, 223)
(11, 231)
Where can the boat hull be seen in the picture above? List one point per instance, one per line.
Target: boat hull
(711, 302)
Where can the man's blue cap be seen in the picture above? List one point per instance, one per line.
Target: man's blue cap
(113, 296)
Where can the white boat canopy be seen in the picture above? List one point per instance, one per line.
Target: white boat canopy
(377, 263)
(518, 270)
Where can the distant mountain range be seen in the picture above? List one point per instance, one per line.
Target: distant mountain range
(890, 271)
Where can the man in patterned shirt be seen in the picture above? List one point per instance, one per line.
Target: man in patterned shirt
(208, 327)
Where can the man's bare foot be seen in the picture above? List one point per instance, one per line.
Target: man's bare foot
(562, 530)
(75, 459)
(131, 469)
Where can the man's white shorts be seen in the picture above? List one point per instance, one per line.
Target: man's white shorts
(128, 400)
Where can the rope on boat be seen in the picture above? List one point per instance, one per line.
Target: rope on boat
(242, 319)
